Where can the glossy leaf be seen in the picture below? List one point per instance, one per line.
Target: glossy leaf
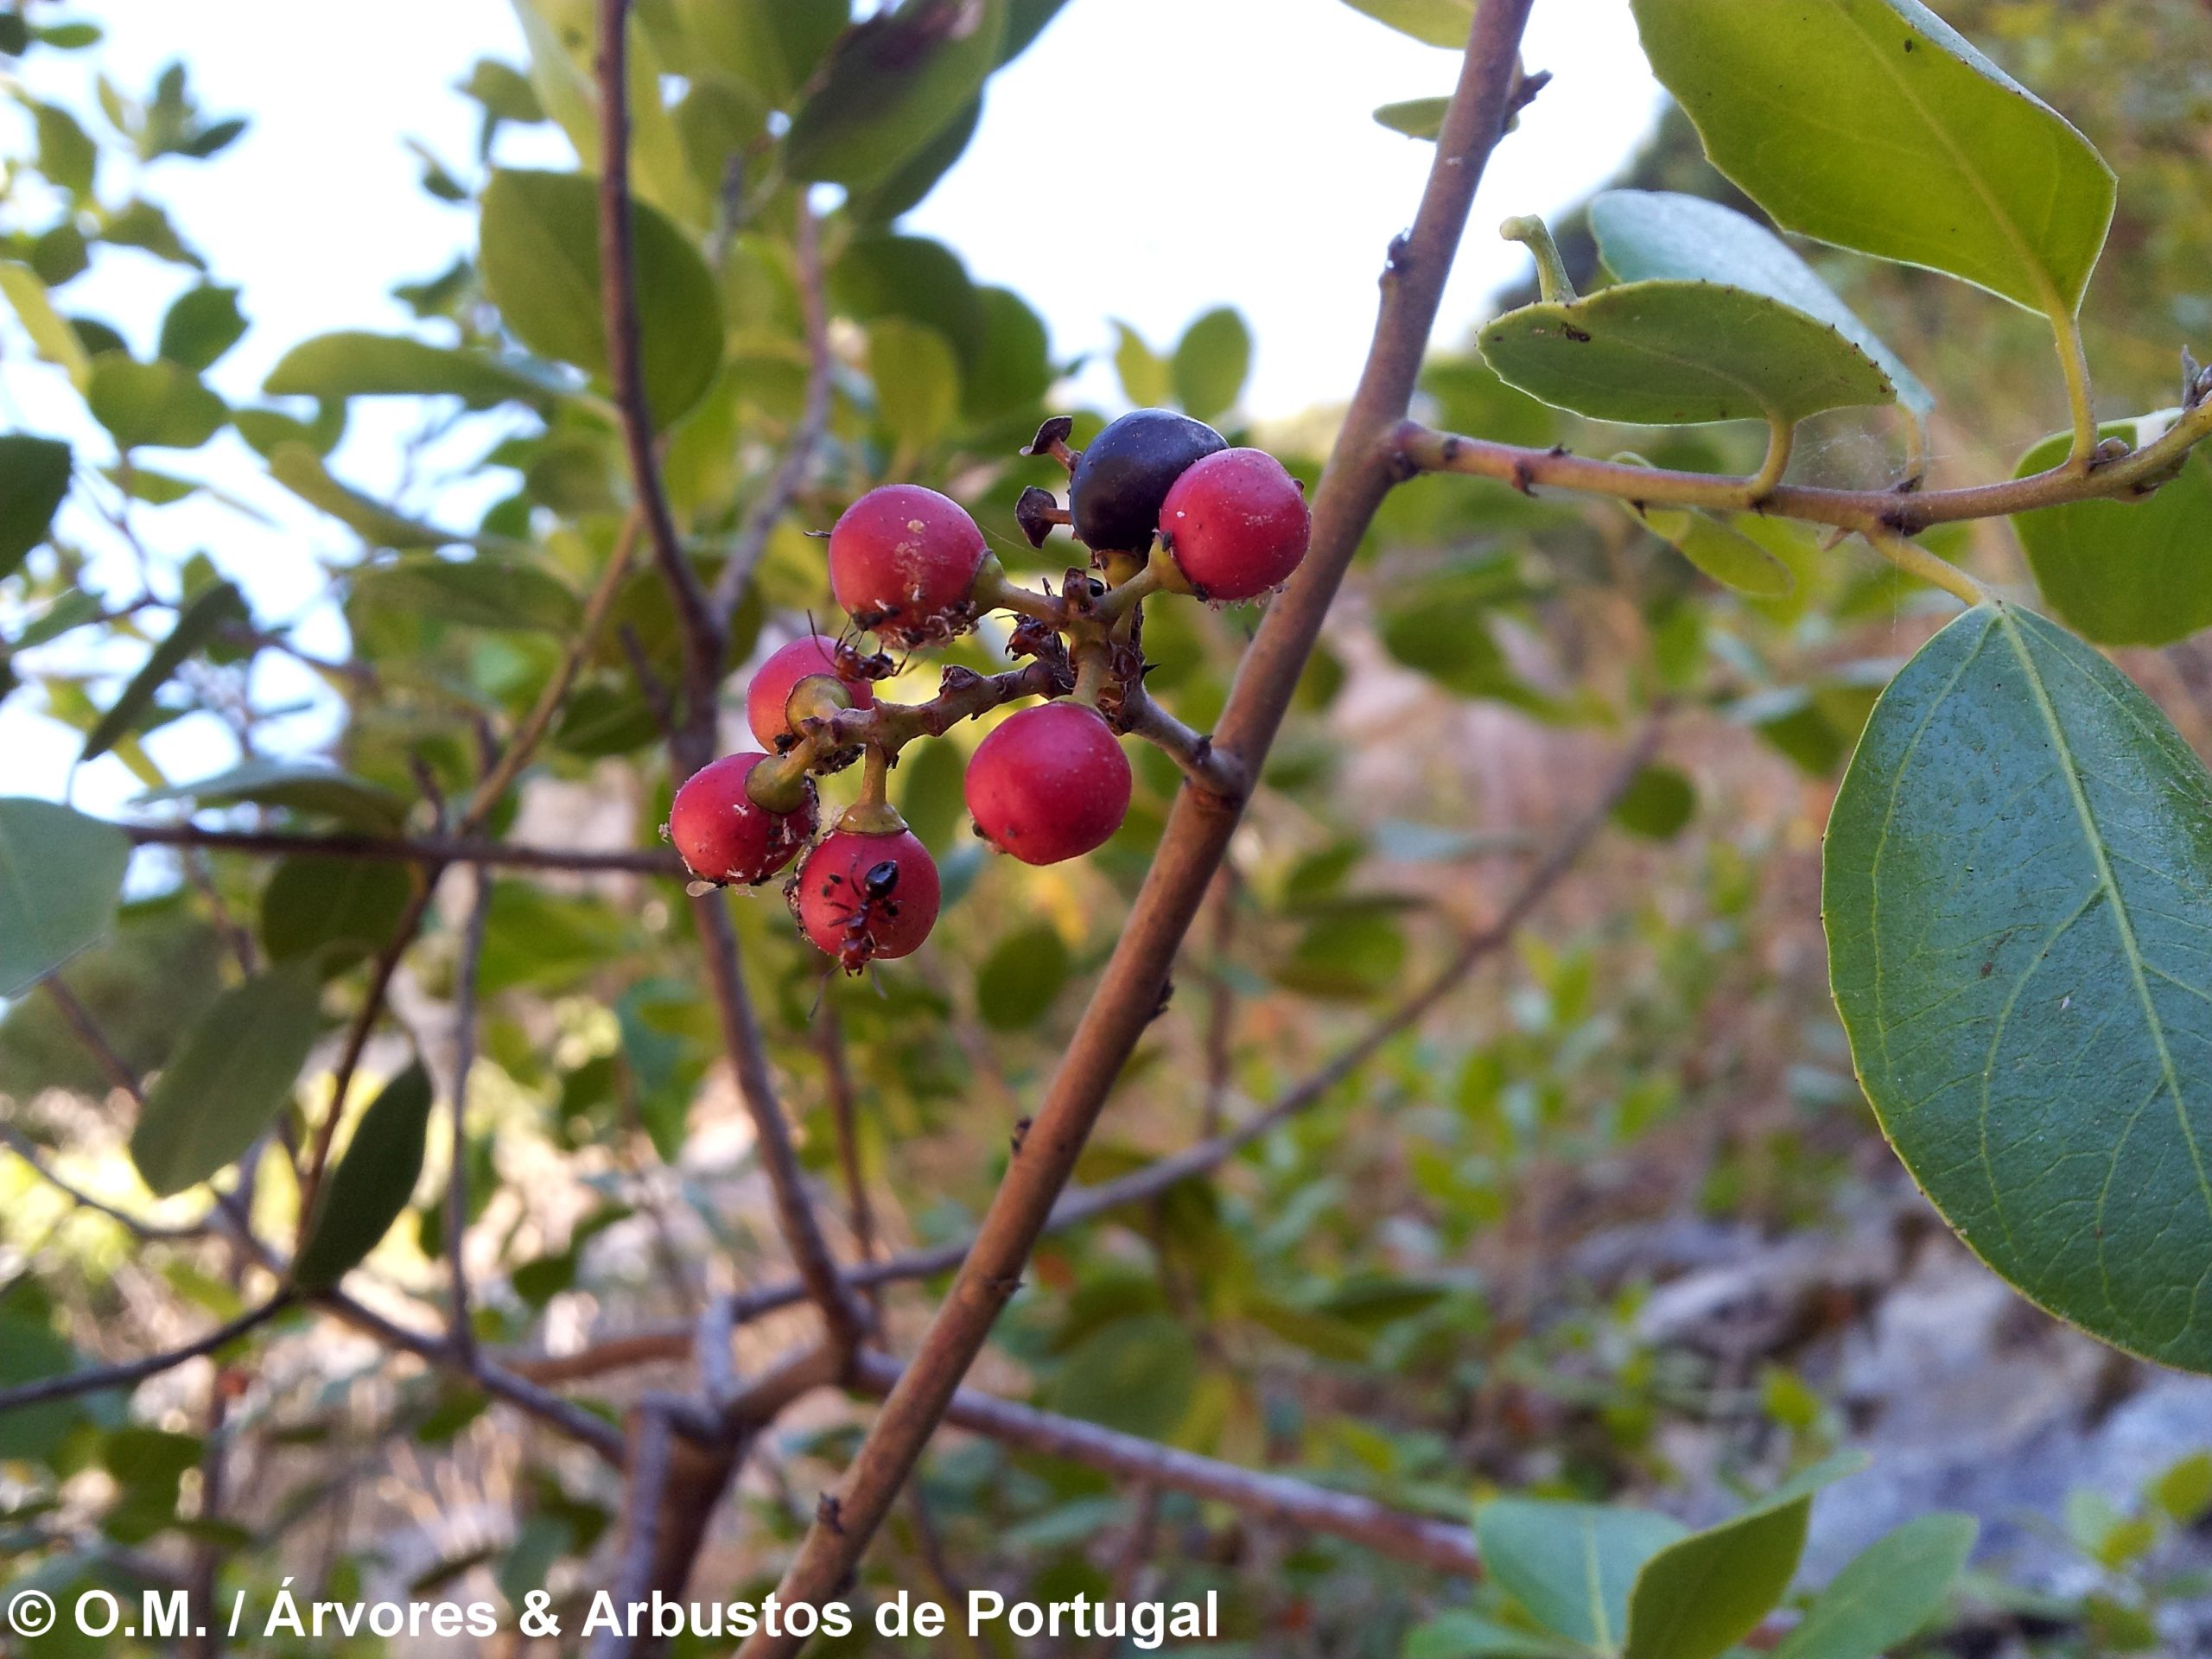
(1646, 235)
(1571, 1565)
(160, 406)
(1022, 977)
(540, 263)
(1673, 353)
(369, 1188)
(892, 84)
(234, 1074)
(1871, 123)
(200, 620)
(1210, 363)
(297, 787)
(2018, 939)
(1888, 1592)
(355, 364)
(1437, 23)
(1699, 1596)
(33, 481)
(52, 337)
(60, 875)
(2126, 573)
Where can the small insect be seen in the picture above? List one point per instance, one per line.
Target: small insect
(876, 904)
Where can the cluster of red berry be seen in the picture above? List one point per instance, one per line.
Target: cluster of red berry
(1162, 503)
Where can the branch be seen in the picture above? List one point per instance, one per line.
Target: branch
(69, 1384)
(1360, 472)
(618, 263)
(829, 1043)
(1434, 1544)
(1086, 1204)
(806, 436)
(1418, 449)
(94, 1039)
(27, 1149)
(404, 850)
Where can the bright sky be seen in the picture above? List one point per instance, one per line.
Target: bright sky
(1200, 152)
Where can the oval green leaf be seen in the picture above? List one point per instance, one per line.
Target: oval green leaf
(1210, 363)
(892, 84)
(1022, 977)
(355, 364)
(540, 263)
(198, 623)
(34, 480)
(1651, 235)
(1416, 118)
(1571, 1565)
(2015, 890)
(372, 1183)
(61, 874)
(295, 785)
(1873, 124)
(2126, 573)
(161, 405)
(1434, 23)
(1697, 1597)
(233, 1075)
(338, 910)
(1673, 353)
(1890, 1590)
(489, 591)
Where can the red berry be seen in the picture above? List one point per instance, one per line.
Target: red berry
(1236, 523)
(724, 836)
(866, 898)
(1050, 784)
(903, 560)
(768, 698)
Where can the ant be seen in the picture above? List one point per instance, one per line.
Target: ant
(877, 884)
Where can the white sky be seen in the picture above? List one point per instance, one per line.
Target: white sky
(1201, 152)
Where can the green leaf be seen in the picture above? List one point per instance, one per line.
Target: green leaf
(773, 46)
(1670, 354)
(1888, 1592)
(161, 404)
(299, 469)
(930, 781)
(1011, 366)
(2018, 945)
(1022, 977)
(1872, 124)
(204, 323)
(369, 1188)
(339, 909)
(67, 153)
(1458, 1634)
(1646, 235)
(234, 1075)
(1417, 117)
(52, 337)
(2126, 573)
(33, 481)
(488, 591)
(31, 1350)
(198, 623)
(1571, 1565)
(1437, 23)
(916, 278)
(562, 38)
(893, 195)
(1145, 375)
(1137, 1374)
(1658, 803)
(295, 785)
(352, 364)
(60, 873)
(893, 84)
(1353, 952)
(1727, 554)
(540, 264)
(917, 381)
(1210, 363)
(1699, 1596)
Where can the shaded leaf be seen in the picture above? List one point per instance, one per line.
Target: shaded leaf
(234, 1074)
(1210, 363)
(202, 324)
(1888, 1592)
(917, 381)
(1658, 803)
(1571, 1565)
(1699, 1596)
(34, 482)
(489, 591)
(1022, 977)
(337, 909)
(296, 786)
(1873, 124)
(2014, 890)
(1138, 1375)
(893, 84)
(60, 873)
(354, 363)
(199, 622)
(773, 46)
(369, 1188)
(161, 404)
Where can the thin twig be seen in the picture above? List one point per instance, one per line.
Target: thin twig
(1438, 1545)
(805, 438)
(94, 1039)
(405, 849)
(1360, 473)
(27, 1149)
(829, 1043)
(99, 1379)
(652, 1442)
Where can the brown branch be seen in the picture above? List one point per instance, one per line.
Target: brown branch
(1438, 1545)
(1360, 472)
(806, 437)
(70, 1384)
(404, 849)
(88, 1031)
(617, 264)
(27, 1149)
(1085, 1203)
(1418, 449)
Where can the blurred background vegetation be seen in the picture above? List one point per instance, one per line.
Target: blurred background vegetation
(1612, 1221)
